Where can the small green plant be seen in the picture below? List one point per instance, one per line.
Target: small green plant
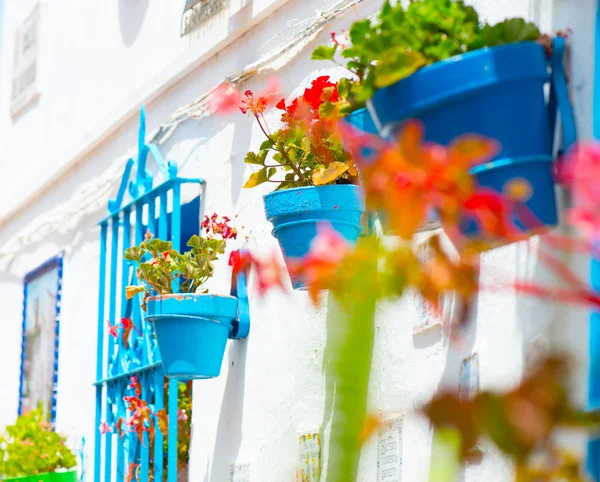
(164, 270)
(401, 40)
(31, 447)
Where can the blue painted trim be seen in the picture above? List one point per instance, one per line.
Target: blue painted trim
(99, 351)
(172, 435)
(561, 91)
(127, 375)
(509, 161)
(239, 288)
(593, 449)
(154, 192)
(55, 262)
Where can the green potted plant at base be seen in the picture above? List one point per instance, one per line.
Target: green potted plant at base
(315, 177)
(31, 451)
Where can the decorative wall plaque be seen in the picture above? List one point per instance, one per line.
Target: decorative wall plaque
(239, 473)
(389, 452)
(196, 12)
(309, 457)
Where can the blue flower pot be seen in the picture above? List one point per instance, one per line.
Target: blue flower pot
(361, 119)
(296, 212)
(192, 331)
(494, 92)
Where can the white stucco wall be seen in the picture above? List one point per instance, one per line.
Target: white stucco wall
(101, 60)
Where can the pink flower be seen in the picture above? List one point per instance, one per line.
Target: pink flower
(339, 40)
(181, 415)
(268, 273)
(580, 171)
(226, 98)
(134, 384)
(105, 428)
(317, 268)
(328, 245)
(112, 329)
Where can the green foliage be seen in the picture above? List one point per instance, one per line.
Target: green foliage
(403, 39)
(510, 31)
(306, 151)
(324, 52)
(294, 157)
(165, 270)
(31, 447)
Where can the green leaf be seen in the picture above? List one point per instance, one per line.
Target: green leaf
(324, 52)
(217, 245)
(134, 253)
(197, 242)
(348, 108)
(359, 31)
(328, 110)
(267, 144)
(256, 178)
(397, 64)
(344, 87)
(131, 291)
(156, 245)
(509, 31)
(253, 158)
(326, 175)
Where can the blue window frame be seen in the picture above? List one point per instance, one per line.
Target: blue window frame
(159, 209)
(593, 456)
(42, 291)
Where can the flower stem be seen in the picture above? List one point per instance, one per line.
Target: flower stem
(283, 152)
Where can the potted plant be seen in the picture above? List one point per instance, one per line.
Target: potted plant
(315, 177)
(192, 326)
(434, 60)
(31, 451)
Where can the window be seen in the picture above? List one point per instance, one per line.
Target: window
(39, 353)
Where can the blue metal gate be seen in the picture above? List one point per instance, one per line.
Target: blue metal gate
(121, 456)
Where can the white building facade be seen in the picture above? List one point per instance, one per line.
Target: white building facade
(73, 76)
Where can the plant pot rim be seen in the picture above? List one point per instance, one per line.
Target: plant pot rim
(183, 296)
(466, 56)
(451, 79)
(306, 188)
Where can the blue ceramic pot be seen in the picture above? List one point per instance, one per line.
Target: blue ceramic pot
(192, 331)
(361, 119)
(495, 92)
(296, 212)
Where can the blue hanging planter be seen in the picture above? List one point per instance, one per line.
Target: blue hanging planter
(192, 329)
(296, 212)
(497, 93)
(361, 119)
(192, 332)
